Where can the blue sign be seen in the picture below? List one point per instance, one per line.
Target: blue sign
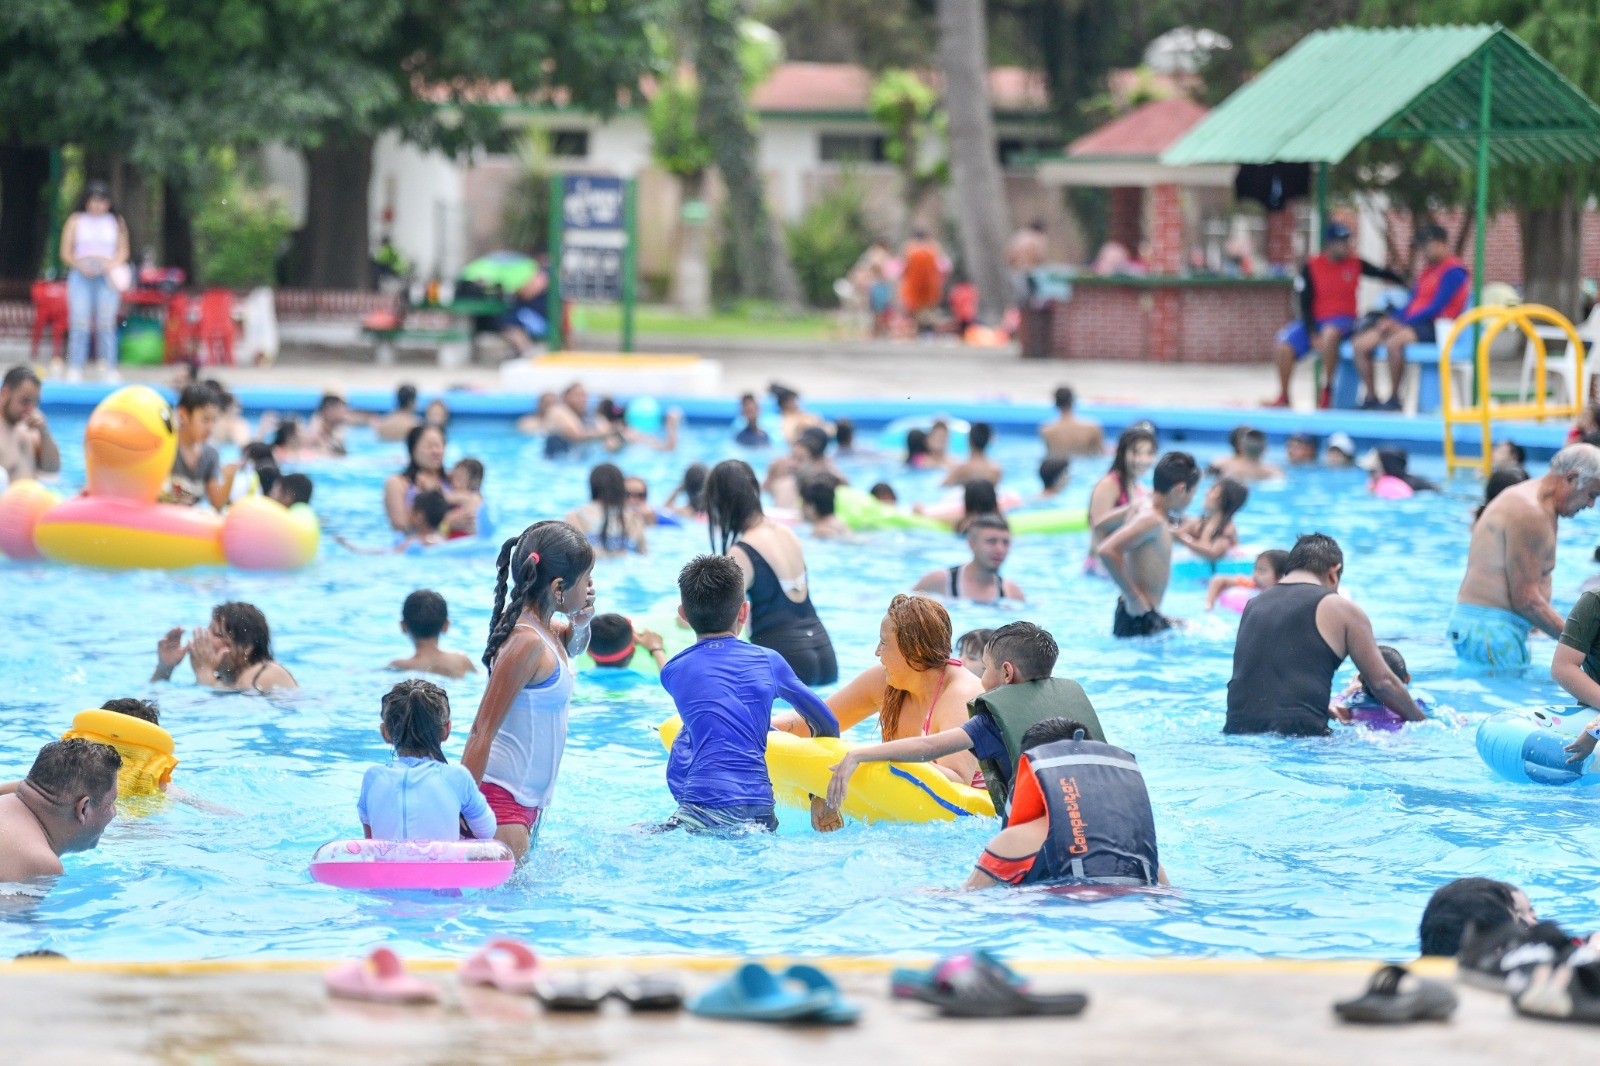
(593, 238)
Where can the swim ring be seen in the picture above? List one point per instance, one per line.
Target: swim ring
(1237, 597)
(1392, 488)
(412, 864)
(893, 436)
(801, 767)
(146, 749)
(953, 505)
(1529, 745)
(128, 449)
(862, 512)
(1056, 520)
(1370, 714)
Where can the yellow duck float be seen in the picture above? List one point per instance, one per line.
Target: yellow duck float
(128, 449)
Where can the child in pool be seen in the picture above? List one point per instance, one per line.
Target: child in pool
(423, 618)
(290, 489)
(970, 647)
(196, 476)
(614, 643)
(1269, 570)
(428, 512)
(465, 497)
(420, 796)
(1211, 534)
(1357, 697)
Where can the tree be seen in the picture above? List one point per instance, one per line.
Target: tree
(908, 110)
(979, 201)
(678, 148)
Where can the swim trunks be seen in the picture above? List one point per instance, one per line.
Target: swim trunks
(507, 811)
(698, 819)
(1299, 342)
(1489, 636)
(1142, 625)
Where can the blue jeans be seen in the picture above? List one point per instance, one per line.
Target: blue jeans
(92, 304)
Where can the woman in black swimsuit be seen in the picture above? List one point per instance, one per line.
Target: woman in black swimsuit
(233, 652)
(778, 620)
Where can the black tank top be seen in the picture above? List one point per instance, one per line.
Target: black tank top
(955, 584)
(1282, 668)
(770, 606)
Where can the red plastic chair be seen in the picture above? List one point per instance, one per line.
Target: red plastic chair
(216, 332)
(49, 312)
(180, 337)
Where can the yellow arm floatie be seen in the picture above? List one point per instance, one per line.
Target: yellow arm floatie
(146, 750)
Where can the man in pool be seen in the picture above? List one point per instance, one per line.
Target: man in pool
(26, 447)
(1138, 556)
(1248, 465)
(1506, 590)
(1292, 640)
(978, 581)
(1069, 436)
(63, 805)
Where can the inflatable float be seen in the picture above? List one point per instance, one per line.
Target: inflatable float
(1530, 745)
(1370, 714)
(662, 619)
(801, 767)
(412, 865)
(893, 436)
(1187, 566)
(128, 449)
(865, 513)
(147, 750)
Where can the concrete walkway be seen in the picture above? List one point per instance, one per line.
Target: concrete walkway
(1190, 1012)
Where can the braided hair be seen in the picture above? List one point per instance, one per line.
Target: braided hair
(415, 714)
(527, 565)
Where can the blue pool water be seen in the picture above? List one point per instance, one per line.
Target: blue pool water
(1299, 848)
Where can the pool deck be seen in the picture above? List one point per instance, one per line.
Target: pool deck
(1157, 1011)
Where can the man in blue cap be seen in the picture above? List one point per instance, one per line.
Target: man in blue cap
(1327, 291)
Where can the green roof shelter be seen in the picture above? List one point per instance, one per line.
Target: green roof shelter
(1477, 93)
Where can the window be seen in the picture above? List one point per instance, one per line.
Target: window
(851, 148)
(1014, 151)
(569, 144)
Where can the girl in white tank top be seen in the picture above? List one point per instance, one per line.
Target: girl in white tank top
(96, 237)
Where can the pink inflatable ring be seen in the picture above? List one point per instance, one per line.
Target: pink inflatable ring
(412, 864)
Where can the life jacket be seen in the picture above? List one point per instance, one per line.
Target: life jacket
(1101, 826)
(146, 749)
(1333, 286)
(1017, 708)
(1428, 288)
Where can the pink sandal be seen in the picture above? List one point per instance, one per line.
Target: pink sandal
(508, 965)
(379, 978)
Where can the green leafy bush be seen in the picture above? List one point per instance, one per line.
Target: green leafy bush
(827, 240)
(238, 233)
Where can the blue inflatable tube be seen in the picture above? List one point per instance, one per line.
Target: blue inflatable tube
(1530, 745)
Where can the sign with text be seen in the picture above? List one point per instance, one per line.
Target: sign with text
(594, 238)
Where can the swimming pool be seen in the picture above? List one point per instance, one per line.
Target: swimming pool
(1310, 848)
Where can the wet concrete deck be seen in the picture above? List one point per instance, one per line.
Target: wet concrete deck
(1174, 1011)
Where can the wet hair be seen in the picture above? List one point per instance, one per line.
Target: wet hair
(609, 489)
(990, 520)
(1028, 647)
(1500, 479)
(916, 445)
(64, 771)
(413, 438)
(256, 453)
(610, 410)
(425, 614)
(922, 633)
(1065, 398)
(330, 399)
(1174, 469)
(974, 641)
(1468, 901)
(432, 506)
(693, 486)
(1233, 494)
(1276, 558)
(298, 486)
(884, 492)
(37, 953)
(246, 627)
(783, 395)
(405, 397)
(733, 502)
(287, 433)
(474, 469)
(978, 498)
(1131, 438)
(1392, 462)
(225, 399)
(527, 565)
(415, 714)
(1236, 437)
(144, 710)
(198, 395)
(609, 636)
(19, 376)
(844, 433)
(978, 437)
(1253, 441)
(1395, 662)
(1053, 471)
(711, 588)
(1519, 454)
(814, 441)
(819, 493)
(267, 475)
(1051, 731)
(1315, 552)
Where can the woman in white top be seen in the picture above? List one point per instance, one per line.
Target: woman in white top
(517, 740)
(94, 249)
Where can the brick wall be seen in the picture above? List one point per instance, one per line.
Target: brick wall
(1502, 245)
(1222, 323)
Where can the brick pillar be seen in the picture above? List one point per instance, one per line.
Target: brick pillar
(1166, 230)
(1127, 218)
(1280, 237)
(1164, 316)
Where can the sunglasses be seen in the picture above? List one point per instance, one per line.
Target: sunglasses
(637, 495)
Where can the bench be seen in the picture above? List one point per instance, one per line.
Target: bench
(453, 344)
(1422, 366)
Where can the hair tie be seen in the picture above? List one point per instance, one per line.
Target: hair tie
(533, 557)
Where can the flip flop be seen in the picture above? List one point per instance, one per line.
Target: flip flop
(905, 983)
(507, 965)
(752, 994)
(379, 978)
(1565, 992)
(650, 992)
(1383, 1003)
(814, 980)
(978, 986)
(570, 992)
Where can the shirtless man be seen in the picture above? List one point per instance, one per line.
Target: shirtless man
(1247, 464)
(977, 466)
(1070, 436)
(568, 423)
(1506, 590)
(26, 447)
(402, 420)
(1138, 556)
(978, 581)
(64, 804)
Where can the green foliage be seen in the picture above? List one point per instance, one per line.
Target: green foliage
(827, 240)
(904, 105)
(525, 217)
(239, 230)
(675, 141)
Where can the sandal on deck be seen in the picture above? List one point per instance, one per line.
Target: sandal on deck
(507, 965)
(570, 992)
(812, 979)
(379, 978)
(752, 994)
(650, 992)
(1563, 993)
(1384, 1003)
(906, 983)
(980, 986)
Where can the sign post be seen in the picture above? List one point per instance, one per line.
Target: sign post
(593, 229)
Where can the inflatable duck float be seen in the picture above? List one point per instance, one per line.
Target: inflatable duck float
(128, 449)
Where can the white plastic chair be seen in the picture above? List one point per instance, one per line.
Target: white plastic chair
(1565, 363)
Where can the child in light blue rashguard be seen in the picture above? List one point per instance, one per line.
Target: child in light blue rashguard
(420, 796)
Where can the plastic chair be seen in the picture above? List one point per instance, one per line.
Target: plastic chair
(49, 312)
(1564, 365)
(179, 330)
(216, 330)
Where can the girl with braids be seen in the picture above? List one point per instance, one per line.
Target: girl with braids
(234, 652)
(1211, 535)
(781, 615)
(1119, 489)
(420, 796)
(610, 524)
(514, 749)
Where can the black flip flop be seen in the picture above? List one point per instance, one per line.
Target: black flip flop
(1562, 993)
(650, 992)
(570, 992)
(1384, 1003)
(970, 986)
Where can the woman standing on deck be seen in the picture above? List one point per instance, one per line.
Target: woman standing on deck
(94, 249)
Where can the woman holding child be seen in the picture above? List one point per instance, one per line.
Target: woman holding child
(424, 472)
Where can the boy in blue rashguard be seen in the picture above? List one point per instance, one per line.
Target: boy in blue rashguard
(724, 688)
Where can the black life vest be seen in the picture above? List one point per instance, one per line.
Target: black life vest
(1101, 826)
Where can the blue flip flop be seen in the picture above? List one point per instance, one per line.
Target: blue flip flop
(838, 1011)
(753, 994)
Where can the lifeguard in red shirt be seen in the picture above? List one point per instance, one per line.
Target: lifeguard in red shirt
(1441, 292)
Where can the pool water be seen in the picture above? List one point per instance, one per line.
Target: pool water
(1276, 847)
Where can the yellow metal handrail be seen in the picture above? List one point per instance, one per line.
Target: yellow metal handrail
(1485, 411)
